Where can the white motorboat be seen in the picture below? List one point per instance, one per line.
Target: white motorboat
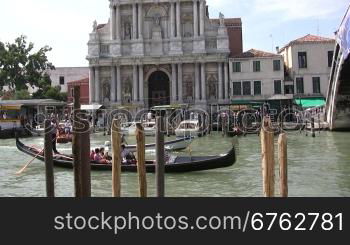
(130, 128)
(188, 128)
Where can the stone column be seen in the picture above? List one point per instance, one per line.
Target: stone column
(113, 22)
(135, 84)
(178, 20)
(140, 21)
(221, 84)
(197, 82)
(202, 17)
(91, 85)
(226, 82)
(172, 19)
(118, 22)
(173, 83)
(203, 82)
(113, 84)
(141, 84)
(134, 21)
(179, 82)
(195, 18)
(119, 86)
(97, 84)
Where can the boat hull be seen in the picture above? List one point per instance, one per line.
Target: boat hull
(180, 165)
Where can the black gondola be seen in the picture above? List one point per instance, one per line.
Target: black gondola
(180, 164)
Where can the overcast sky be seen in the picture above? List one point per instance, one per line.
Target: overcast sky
(64, 25)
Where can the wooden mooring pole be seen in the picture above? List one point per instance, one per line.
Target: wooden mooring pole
(116, 156)
(76, 142)
(85, 159)
(160, 159)
(282, 158)
(50, 180)
(141, 165)
(81, 150)
(313, 127)
(268, 159)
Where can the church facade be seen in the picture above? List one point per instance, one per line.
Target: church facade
(161, 52)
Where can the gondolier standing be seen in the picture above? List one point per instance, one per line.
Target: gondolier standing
(54, 135)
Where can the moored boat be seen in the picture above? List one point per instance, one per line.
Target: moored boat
(189, 128)
(178, 165)
(148, 127)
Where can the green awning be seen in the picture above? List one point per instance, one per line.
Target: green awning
(310, 102)
(245, 102)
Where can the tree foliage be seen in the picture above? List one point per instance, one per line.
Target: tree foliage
(21, 66)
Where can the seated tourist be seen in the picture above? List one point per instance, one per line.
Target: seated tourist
(99, 158)
(92, 155)
(102, 151)
(107, 157)
(127, 156)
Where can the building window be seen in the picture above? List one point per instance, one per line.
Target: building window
(236, 66)
(316, 84)
(289, 89)
(247, 90)
(278, 86)
(302, 58)
(330, 58)
(237, 88)
(72, 92)
(300, 85)
(257, 87)
(256, 66)
(276, 65)
(61, 80)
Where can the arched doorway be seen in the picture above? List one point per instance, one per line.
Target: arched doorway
(158, 89)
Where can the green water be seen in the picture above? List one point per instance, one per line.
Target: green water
(318, 167)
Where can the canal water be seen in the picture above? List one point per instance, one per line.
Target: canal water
(318, 167)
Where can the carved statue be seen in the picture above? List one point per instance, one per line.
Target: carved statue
(157, 20)
(94, 26)
(222, 19)
(127, 30)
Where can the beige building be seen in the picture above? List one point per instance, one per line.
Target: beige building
(61, 76)
(308, 62)
(256, 75)
(155, 52)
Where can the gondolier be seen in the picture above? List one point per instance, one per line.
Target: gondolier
(54, 132)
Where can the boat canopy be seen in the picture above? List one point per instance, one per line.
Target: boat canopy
(11, 107)
(170, 107)
(310, 102)
(92, 107)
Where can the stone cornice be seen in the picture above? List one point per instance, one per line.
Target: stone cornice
(130, 2)
(184, 59)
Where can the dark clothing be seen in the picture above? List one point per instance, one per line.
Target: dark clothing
(54, 144)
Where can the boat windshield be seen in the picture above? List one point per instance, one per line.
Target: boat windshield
(187, 126)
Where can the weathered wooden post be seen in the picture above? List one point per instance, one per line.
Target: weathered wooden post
(268, 159)
(141, 165)
(85, 158)
(116, 155)
(313, 127)
(50, 180)
(282, 158)
(76, 144)
(319, 123)
(160, 159)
